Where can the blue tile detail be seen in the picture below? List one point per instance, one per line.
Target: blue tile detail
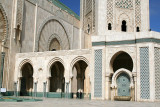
(157, 72)
(144, 73)
(98, 73)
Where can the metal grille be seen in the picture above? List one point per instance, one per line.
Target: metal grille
(157, 72)
(98, 73)
(144, 73)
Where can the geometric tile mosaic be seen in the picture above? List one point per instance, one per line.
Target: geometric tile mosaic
(144, 73)
(98, 73)
(110, 11)
(127, 4)
(138, 13)
(157, 72)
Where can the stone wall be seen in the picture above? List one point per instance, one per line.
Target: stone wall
(25, 19)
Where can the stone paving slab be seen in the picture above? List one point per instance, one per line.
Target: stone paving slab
(49, 102)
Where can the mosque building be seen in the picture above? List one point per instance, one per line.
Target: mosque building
(107, 53)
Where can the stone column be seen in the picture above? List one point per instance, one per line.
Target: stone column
(135, 86)
(48, 84)
(35, 89)
(44, 89)
(107, 87)
(113, 90)
(19, 86)
(15, 88)
(2, 68)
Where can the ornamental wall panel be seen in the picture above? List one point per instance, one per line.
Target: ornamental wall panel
(144, 73)
(127, 4)
(98, 73)
(137, 13)
(110, 11)
(157, 72)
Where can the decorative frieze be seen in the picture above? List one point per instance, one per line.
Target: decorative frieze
(3, 24)
(137, 14)
(125, 4)
(19, 14)
(110, 11)
(93, 16)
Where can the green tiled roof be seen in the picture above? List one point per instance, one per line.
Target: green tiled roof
(64, 7)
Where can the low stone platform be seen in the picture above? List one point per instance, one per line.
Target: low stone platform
(51, 102)
(16, 99)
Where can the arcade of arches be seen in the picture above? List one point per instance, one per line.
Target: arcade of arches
(80, 82)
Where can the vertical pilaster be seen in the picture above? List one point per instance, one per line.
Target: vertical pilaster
(35, 27)
(145, 15)
(152, 72)
(101, 17)
(107, 87)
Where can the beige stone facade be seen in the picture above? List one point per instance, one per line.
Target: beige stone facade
(108, 53)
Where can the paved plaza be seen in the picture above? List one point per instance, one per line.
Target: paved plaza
(78, 103)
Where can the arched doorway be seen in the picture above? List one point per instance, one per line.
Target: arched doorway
(122, 60)
(80, 83)
(122, 66)
(26, 80)
(57, 80)
(123, 85)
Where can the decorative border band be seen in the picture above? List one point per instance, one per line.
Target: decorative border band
(103, 43)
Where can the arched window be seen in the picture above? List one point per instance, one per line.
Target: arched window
(109, 26)
(54, 45)
(124, 26)
(88, 29)
(138, 30)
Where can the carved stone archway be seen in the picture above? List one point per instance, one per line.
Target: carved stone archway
(3, 25)
(50, 26)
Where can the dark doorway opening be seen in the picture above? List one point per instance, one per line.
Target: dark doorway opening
(26, 80)
(124, 26)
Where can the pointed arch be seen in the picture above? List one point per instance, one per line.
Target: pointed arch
(120, 55)
(51, 18)
(51, 62)
(21, 66)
